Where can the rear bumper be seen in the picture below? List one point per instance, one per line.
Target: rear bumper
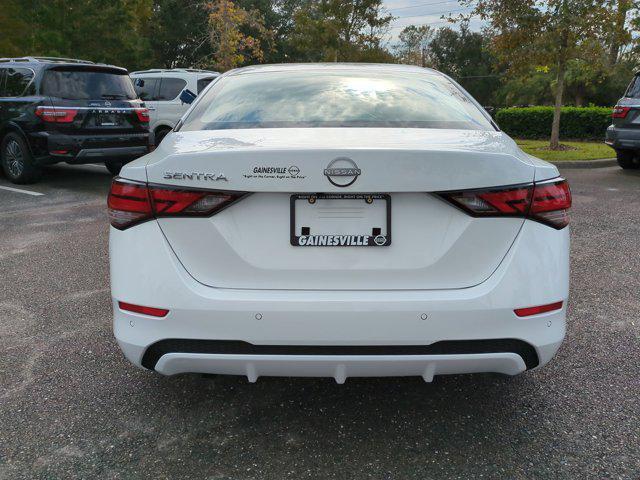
(623, 138)
(339, 333)
(78, 149)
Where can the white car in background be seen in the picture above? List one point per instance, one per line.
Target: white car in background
(161, 89)
(342, 221)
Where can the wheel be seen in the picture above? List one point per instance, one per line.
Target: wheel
(628, 159)
(113, 167)
(17, 161)
(160, 134)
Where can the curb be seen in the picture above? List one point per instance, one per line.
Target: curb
(602, 163)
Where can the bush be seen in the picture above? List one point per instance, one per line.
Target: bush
(576, 123)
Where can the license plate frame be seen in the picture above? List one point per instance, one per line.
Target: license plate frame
(371, 241)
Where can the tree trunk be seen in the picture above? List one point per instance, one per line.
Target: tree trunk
(555, 126)
(619, 30)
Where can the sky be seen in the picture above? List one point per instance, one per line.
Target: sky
(420, 12)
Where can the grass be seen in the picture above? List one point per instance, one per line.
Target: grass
(577, 150)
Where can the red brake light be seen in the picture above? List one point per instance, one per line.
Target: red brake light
(528, 311)
(620, 112)
(128, 204)
(551, 203)
(56, 114)
(545, 202)
(131, 203)
(143, 114)
(152, 311)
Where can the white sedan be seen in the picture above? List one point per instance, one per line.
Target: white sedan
(338, 221)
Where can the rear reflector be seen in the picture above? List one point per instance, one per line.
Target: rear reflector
(529, 311)
(131, 202)
(620, 112)
(154, 312)
(56, 114)
(545, 202)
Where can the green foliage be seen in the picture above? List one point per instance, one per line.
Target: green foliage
(179, 34)
(464, 55)
(110, 32)
(339, 30)
(587, 123)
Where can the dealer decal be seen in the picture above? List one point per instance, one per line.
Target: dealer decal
(341, 240)
(278, 173)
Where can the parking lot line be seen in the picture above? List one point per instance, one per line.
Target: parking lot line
(28, 192)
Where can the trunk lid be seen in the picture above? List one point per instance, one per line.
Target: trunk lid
(248, 245)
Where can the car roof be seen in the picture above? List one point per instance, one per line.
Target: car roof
(328, 67)
(174, 70)
(41, 62)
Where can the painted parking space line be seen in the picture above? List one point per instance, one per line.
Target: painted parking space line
(19, 190)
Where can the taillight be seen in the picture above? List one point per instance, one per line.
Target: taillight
(551, 203)
(546, 202)
(56, 114)
(620, 112)
(143, 114)
(131, 203)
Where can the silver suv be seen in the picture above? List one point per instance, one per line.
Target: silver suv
(161, 91)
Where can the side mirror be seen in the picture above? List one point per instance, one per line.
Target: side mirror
(187, 96)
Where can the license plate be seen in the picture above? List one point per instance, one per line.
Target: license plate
(341, 220)
(107, 120)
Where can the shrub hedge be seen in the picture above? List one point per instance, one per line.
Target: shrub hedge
(579, 123)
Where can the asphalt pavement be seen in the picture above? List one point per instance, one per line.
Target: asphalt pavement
(72, 407)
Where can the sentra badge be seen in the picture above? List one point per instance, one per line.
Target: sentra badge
(212, 177)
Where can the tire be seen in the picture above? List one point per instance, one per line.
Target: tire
(628, 159)
(160, 134)
(16, 159)
(113, 167)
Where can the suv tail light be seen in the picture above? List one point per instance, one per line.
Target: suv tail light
(143, 114)
(620, 112)
(131, 203)
(56, 114)
(546, 202)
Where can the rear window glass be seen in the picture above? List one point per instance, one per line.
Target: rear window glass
(634, 88)
(146, 87)
(170, 88)
(16, 81)
(335, 99)
(203, 82)
(75, 84)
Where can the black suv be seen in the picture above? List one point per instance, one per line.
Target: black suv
(624, 134)
(63, 110)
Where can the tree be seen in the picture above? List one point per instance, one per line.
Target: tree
(110, 32)
(543, 32)
(179, 33)
(618, 31)
(465, 56)
(231, 46)
(340, 30)
(413, 45)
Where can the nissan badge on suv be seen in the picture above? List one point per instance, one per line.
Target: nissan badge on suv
(62, 110)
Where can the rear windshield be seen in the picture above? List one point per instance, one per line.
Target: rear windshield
(633, 91)
(335, 99)
(76, 84)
